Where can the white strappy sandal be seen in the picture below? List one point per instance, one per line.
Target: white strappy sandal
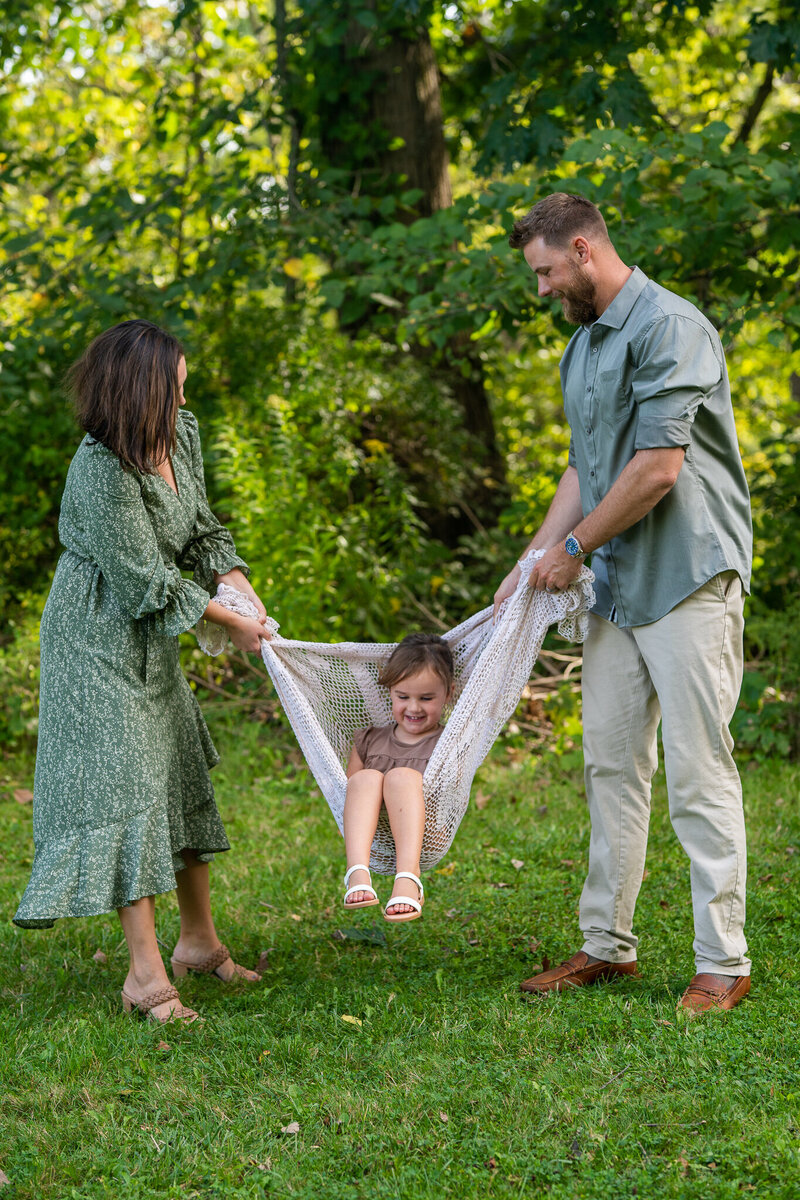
(415, 904)
(359, 887)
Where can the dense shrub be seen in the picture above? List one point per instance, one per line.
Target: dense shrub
(325, 470)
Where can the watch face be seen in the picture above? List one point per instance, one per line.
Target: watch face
(572, 546)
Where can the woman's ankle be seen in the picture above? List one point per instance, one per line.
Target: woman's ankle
(145, 978)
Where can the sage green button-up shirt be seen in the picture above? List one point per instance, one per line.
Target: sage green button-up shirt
(650, 373)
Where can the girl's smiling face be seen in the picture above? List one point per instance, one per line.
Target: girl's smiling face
(417, 702)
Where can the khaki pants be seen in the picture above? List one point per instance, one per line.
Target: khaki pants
(685, 669)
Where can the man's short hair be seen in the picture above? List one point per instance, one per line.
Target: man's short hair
(558, 218)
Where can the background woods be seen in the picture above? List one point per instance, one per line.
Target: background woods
(316, 197)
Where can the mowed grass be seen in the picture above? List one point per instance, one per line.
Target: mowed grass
(404, 1056)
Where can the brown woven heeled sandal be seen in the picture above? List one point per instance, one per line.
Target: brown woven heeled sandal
(145, 1006)
(211, 965)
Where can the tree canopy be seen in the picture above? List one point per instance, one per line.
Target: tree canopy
(316, 196)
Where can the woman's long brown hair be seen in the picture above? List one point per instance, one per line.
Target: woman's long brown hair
(126, 392)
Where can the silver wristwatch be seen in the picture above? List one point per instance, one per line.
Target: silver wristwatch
(573, 547)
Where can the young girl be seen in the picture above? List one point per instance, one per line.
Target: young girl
(386, 766)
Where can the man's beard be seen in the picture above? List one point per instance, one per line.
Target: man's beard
(578, 303)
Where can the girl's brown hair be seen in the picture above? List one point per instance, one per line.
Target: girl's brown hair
(126, 392)
(414, 654)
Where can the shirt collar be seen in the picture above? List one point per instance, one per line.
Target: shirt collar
(618, 310)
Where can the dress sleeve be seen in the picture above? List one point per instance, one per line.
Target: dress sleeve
(210, 548)
(361, 741)
(117, 534)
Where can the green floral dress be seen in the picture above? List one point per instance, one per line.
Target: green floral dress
(122, 769)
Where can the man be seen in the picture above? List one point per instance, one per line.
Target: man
(654, 490)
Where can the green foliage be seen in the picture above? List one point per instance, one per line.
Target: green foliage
(19, 670)
(769, 721)
(452, 274)
(219, 169)
(326, 467)
(563, 710)
(766, 724)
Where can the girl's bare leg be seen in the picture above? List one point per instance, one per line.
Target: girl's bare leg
(362, 808)
(146, 973)
(198, 937)
(405, 805)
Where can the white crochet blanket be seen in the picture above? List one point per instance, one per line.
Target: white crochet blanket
(330, 691)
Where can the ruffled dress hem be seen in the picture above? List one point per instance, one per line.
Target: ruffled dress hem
(140, 856)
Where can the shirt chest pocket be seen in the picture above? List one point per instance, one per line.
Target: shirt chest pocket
(613, 399)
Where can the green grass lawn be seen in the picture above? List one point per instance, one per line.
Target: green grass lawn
(404, 1056)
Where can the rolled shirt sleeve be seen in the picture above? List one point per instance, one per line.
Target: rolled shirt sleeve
(676, 369)
(648, 374)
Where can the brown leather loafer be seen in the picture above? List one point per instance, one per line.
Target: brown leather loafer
(705, 993)
(576, 972)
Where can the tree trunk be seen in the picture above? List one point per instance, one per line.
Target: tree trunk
(407, 105)
(403, 103)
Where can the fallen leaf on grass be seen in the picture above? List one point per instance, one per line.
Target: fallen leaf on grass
(491, 1164)
(100, 956)
(448, 870)
(790, 850)
(534, 945)
(663, 904)
(351, 1020)
(542, 810)
(567, 862)
(23, 795)
(765, 878)
(372, 934)
(263, 961)
(295, 917)
(481, 800)
(443, 1117)
(451, 912)
(517, 864)
(162, 1046)
(500, 884)
(292, 1127)
(4, 1179)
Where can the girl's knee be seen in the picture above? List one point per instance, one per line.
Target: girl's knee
(365, 782)
(403, 779)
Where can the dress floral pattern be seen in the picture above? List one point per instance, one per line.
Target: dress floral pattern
(122, 779)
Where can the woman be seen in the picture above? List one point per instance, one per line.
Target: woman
(123, 802)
